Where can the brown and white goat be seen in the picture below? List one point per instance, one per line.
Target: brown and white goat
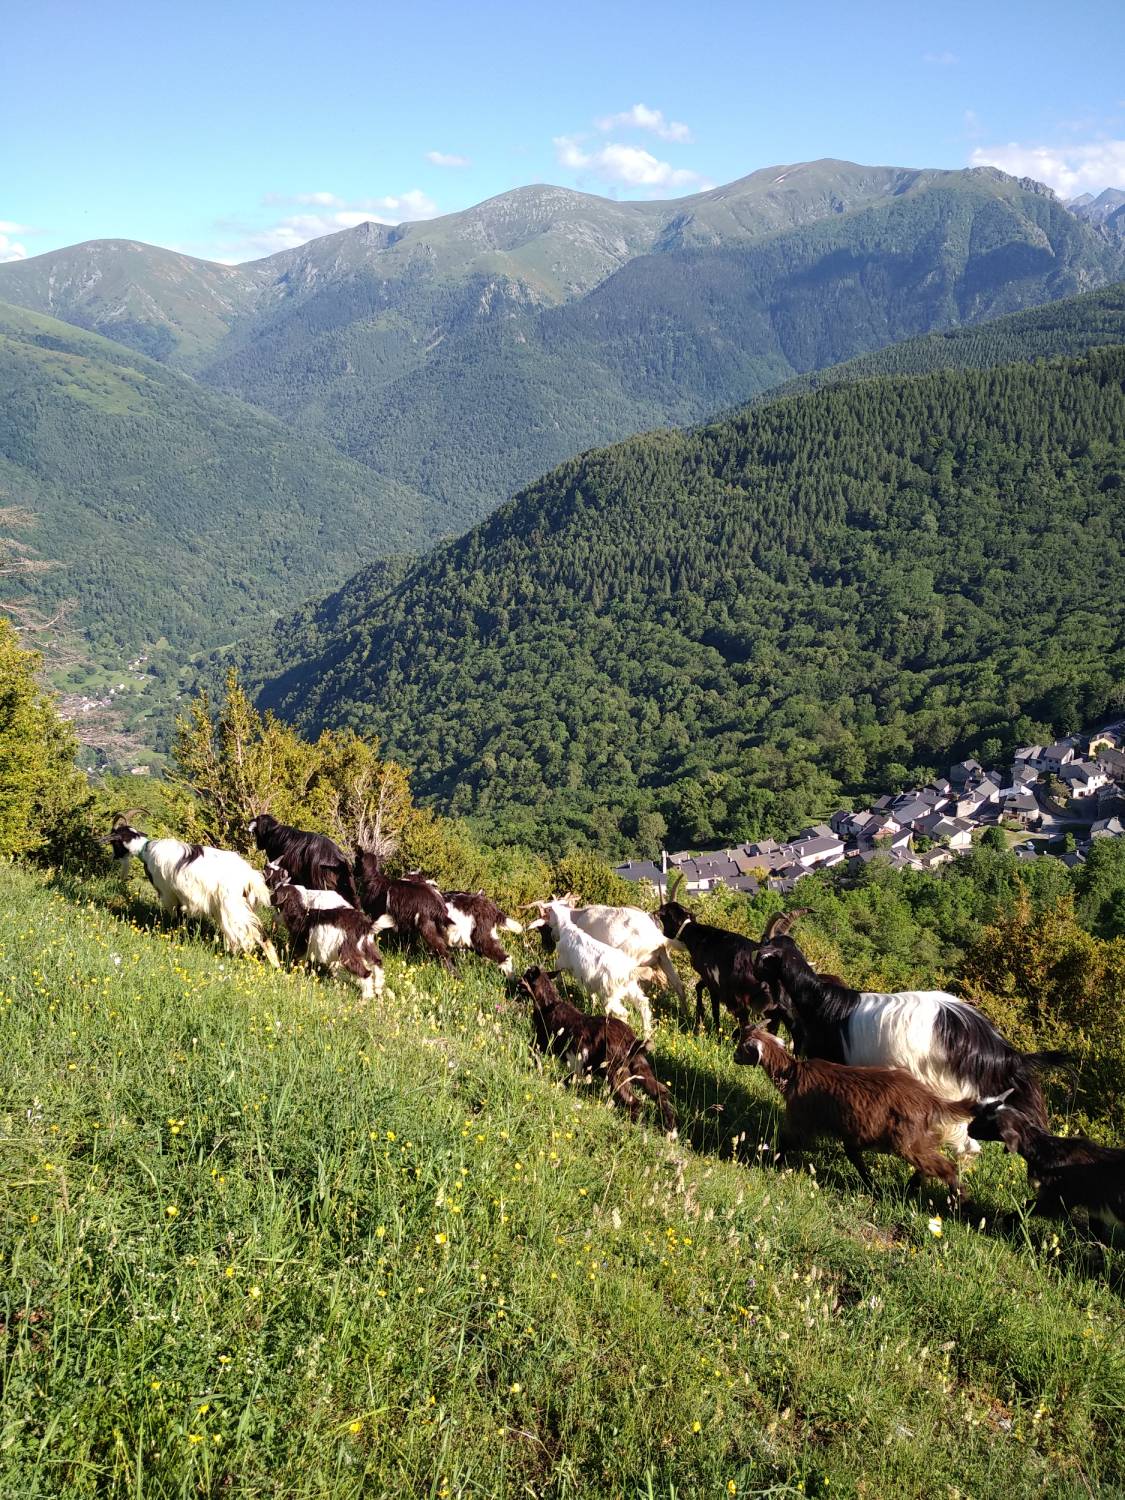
(594, 1044)
(476, 922)
(1068, 1171)
(866, 1109)
(335, 937)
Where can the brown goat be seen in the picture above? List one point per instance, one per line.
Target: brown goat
(867, 1109)
(594, 1044)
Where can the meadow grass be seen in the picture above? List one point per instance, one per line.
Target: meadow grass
(261, 1240)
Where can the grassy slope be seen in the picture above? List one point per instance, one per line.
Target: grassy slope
(260, 1242)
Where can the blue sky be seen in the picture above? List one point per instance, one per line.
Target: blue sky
(232, 130)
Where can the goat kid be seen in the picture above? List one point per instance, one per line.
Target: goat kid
(212, 885)
(604, 972)
(335, 937)
(866, 1109)
(595, 1044)
(312, 860)
(414, 905)
(943, 1042)
(1068, 1172)
(475, 922)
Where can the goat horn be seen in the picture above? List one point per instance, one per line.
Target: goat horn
(779, 925)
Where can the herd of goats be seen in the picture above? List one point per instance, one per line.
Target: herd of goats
(904, 1074)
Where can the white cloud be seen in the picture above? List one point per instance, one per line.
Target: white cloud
(13, 249)
(940, 59)
(623, 166)
(1070, 170)
(326, 213)
(640, 117)
(447, 159)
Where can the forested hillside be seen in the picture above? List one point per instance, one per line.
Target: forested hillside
(170, 510)
(466, 355)
(468, 389)
(1066, 327)
(724, 632)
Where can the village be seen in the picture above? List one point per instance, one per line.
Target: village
(1061, 796)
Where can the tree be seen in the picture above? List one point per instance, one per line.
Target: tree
(42, 792)
(993, 838)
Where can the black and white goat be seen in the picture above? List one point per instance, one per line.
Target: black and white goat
(944, 1042)
(312, 860)
(594, 1044)
(1068, 1171)
(414, 905)
(334, 937)
(213, 885)
(724, 962)
(476, 922)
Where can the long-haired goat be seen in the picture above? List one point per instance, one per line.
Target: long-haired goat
(594, 1044)
(335, 938)
(312, 860)
(415, 905)
(604, 972)
(944, 1042)
(1068, 1171)
(867, 1109)
(723, 960)
(214, 885)
(632, 931)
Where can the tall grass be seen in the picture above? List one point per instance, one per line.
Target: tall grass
(260, 1240)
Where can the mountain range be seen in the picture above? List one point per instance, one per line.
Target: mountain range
(466, 355)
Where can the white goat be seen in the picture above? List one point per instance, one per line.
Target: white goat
(604, 972)
(632, 931)
(215, 885)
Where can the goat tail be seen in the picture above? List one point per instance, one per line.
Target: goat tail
(241, 927)
(368, 949)
(1052, 1058)
(256, 892)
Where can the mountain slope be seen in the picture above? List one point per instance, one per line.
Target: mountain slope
(469, 391)
(1066, 327)
(733, 628)
(171, 510)
(468, 354)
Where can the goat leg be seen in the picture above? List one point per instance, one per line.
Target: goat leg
(855, 1156)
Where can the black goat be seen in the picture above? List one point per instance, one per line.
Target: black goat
(312, 860)
(944, 1042)
(594, 1044)
(1068, 1171)
(724, 962)
(414, 905)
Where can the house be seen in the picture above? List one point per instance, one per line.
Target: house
(965, 770)
(819, 853)
(934, 858)
(1056, 756)
(641, 869)
(1027, 754)
(1108, 828)
(1023, 808)
(1112, 762)
(957, 833)
(1083, 777)
(1024, 774)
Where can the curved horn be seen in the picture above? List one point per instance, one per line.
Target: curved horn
(779, 925)
(676, 882)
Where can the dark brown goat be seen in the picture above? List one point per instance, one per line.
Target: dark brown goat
(867, 1109)
(594, 1044)
(724, 962)
(414, 905)
(1068, 1171)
